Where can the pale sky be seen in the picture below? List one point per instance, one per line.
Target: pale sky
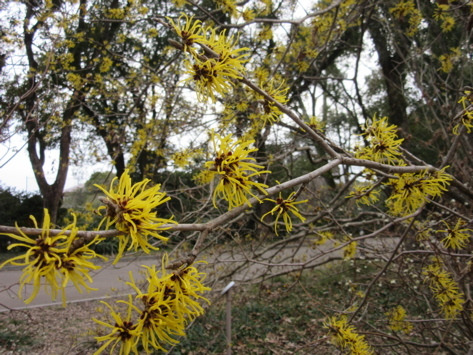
(18, 172)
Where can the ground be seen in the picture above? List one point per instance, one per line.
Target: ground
(50, 330)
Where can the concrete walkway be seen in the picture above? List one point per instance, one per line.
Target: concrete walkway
(109, 280)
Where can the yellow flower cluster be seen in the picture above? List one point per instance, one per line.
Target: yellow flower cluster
(467, 116)
(443, 14)
(457, 237)
(383, 143)
(212, 69)
(167, 302)
(323, 237)
(447, 60)
(282, 208)
(344, 336)
(364, 194)
(235, 170)
(407, 9)
(278, 91)
(51, 258)
(397, 321)
(227, 6)
(257, 108)
(130, 209)
(445, 289)
(410, 191)
(182, 159)
(349, 251)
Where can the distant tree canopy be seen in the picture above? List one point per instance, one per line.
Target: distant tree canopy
(101, 81)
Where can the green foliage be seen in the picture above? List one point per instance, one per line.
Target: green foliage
(17, 207)
(11, 339)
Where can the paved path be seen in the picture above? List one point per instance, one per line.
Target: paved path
(110, 281)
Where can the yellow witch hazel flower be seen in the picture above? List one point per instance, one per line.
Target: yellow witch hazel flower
(410, 191)
(168, 301)
(364, 194)
(234, 169)
(384, 145)
(211, 76)
(282, 208)
(123, 332)
(214, 69)
(190, 31)
(467, 116)
(51, 258)
(227, 6)
(457, 237)
(397, 320)
(278, 91)
(445, 289)
(323, 237)
(344, 336)
(130, 209)
(349, 251)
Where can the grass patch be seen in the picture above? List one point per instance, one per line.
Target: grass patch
(14, 335)
(282, 316)
(286, 315)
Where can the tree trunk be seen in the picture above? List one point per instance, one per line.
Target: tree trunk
(52, 193)
(393, 69)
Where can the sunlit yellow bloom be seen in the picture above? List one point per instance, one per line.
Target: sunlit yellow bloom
(46, 257)
(397, 320)
(211, 72)
(364, 194)
(225, 46)
(349, 251)
(232, 155)
(278, 92)
(190, 31)
(211, 76)
(316, 123)
(467, 116)
(235, 170)
(52, 258)
(345, 337)
(159, 324)
(457, 237)
(282, 208)
(383, 143)
(235, 187)
(183, 287)
(445, 289)
(410, 191)
(169, 300)
(129, 209)
(323, 237)
(407, 9)
(76, 264)
(123, 332)
(227, 6)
